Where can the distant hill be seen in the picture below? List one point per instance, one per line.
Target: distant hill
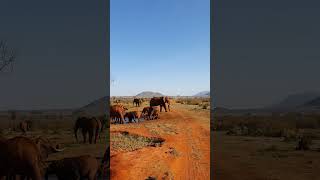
(149, 94)
(97, 107)
(313, 103)
(202, 94)
(296, 100)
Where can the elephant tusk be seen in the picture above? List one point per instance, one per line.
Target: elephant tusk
(59, 150)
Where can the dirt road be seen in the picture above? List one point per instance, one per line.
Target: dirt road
(185, 154)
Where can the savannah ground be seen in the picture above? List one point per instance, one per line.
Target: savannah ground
(176, 146)
(267, 149)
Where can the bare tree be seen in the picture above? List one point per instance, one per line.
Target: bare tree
(7, 57)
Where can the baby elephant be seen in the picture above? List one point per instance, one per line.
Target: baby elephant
(74, 168)
(145, 111)
(133, 115)
(153, 113)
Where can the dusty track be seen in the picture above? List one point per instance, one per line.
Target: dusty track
(185, 153)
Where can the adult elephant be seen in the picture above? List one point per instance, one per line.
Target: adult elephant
(25, 157)
(159, 101)
(117, 112)
(91, 126)
(137, 102)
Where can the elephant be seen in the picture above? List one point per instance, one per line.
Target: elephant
(91, 126)
(168, 101)
(74, 168)
(153, 113)
(117, 112)
(145, 111)
(25, 126)
(133, 115)
(24, 157)
(137, 102)
(104, 122)
(159, 101)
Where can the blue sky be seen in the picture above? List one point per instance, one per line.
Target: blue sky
(161, 46)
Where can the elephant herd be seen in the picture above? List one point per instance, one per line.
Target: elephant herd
(24, 157)
(118, 112)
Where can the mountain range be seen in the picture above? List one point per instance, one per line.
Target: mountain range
(149, 94)
(94, 108)
(298, 101)
(202, 94)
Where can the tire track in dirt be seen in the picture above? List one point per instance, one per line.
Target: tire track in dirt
(190, 141)
(197, 147)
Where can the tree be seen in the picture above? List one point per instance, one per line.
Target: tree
(7, 57)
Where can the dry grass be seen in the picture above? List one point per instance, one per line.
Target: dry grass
(287, 126)
(263, 158)
(130, 142)
(203, 103)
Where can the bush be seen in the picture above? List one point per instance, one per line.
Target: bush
(204, 106)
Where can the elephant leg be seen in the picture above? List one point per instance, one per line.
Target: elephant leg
(90, 136)
(97, 135)
(122, 119)
(117, 121)
(84, 134)
(35, 174)
(19, 177)
(92, 177)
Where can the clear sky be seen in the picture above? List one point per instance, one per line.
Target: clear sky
(161, 46)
